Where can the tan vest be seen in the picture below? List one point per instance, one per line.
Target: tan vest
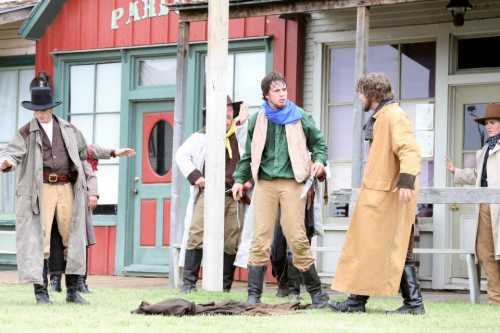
(297, 148)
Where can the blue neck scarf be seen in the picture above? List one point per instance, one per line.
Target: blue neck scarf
(288, 115)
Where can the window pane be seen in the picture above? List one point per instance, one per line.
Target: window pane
(384, 58)
(474, 134)
(85, 125)
(342, 75)
(250, 68)
(478, 53)
(418, 70)
(109, 87)
(160, 147)
(340, 140)
(155, 72)
(25, 77)
(426, 177)
(82, 88)
(107, 176)
(8, 104)
(107, 130)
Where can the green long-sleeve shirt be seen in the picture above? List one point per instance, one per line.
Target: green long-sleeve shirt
(275, 161)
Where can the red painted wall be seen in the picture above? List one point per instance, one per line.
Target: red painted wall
(86, 25)
(101, 260)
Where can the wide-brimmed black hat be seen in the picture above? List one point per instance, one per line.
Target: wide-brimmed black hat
(41, 100)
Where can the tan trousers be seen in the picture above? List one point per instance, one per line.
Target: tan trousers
(272, 197)
(57, 200)
(486, 254)
(231, 228)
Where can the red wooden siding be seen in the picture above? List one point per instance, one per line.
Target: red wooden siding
(166, 222)
(86, 25)
(101, 260)
(148, 222)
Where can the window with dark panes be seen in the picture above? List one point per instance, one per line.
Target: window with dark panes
(411, 69)
(477, 53)
(14, 88)
(94, 108)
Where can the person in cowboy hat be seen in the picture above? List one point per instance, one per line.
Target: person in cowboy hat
(190, 157)
(486, 174)
(48, 153)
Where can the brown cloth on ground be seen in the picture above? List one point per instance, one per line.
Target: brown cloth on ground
(182, 307)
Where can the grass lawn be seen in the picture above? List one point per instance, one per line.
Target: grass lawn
(110, 312)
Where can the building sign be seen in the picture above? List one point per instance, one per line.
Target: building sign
(138, 11)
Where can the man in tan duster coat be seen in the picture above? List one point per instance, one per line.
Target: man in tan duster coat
(486, 174)
(375, 257)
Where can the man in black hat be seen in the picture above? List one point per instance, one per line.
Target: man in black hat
(190, 158)
(48, 152)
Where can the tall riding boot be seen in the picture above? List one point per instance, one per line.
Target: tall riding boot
(82, 284)
(294, 281)
(72, 295)
(353, 303)
(255, 283)
(229, 269)
(192, 264)
(319, 298)
(41, 293)
(55, 282)
(413, 302)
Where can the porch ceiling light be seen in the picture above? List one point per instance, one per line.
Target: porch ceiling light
(458, 8)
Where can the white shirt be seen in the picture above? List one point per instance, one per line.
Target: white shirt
(47, 127)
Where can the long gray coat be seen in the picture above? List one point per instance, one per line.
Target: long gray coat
(25, 154)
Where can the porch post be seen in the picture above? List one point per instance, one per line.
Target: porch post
(362, 29)
(213, 236)
(176, 221)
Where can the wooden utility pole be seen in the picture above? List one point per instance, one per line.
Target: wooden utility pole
(362, 30)
(213, 236)
(176, 221)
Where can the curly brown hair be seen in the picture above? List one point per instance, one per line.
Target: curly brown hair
(375, 86)
(268, 80)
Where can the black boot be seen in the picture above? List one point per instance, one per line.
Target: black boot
(282, 287)
(294, 281)
(72, 295)
(192, 264)
(354, 303)
(413, 302)
(82, 284)
(55, 282)
(41, 293)
(319, 298)
(255, 283)
(229, 269)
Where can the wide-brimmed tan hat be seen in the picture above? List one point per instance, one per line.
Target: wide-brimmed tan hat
(492, 112)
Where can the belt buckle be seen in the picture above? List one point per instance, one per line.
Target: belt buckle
(53, 178)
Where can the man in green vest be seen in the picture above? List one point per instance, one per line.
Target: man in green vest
(283, 149)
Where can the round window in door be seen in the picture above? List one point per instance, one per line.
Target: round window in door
(160, 147)
(157, 147)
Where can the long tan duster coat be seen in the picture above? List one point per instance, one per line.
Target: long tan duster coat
(374, 252)
(25, 154)
(473, 177)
